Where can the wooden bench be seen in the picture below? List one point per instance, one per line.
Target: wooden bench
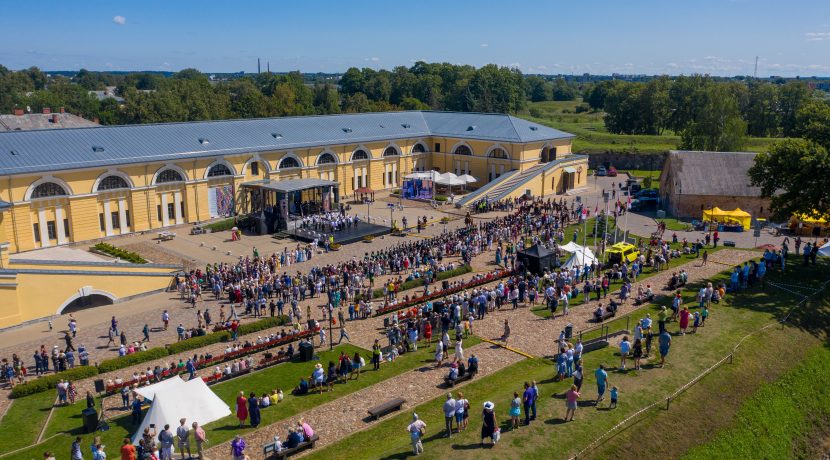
(270, 449)
(605, 315)
(593, 345)
(451, 383)
(389, 406)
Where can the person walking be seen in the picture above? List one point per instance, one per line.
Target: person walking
(183, 433)
(344, 333)
(602, 382)
(461, 408)
(165, 318)
(201, 438)
(146, 332)
(571, 398)
(241, 408)
(376, 354)
(417, 430)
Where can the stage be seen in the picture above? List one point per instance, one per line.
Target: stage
(347, 235)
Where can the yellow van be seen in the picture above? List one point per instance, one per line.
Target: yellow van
(622, 252)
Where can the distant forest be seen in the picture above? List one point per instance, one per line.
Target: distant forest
(711, 113)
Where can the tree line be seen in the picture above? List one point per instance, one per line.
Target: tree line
(707, 114)
(190, 95)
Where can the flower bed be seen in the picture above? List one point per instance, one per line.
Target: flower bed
(444, 292)
(114, 251)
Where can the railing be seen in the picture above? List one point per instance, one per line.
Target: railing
(475, 195)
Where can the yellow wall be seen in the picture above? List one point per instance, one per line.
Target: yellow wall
(37, 289)
(139, 204)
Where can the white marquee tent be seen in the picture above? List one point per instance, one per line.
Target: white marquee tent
(824, 250)
(578, 260)
(174, 399)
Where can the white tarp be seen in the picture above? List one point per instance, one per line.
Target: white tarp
(449, 178)
(572, 247)
(174, 399)
(577, 259)
(824, 250)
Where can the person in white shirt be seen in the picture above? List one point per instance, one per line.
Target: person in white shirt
(449, 413)
(183, 433)
(416, 430)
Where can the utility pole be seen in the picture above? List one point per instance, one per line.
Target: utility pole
(258, 68)
(605, 197)
(755, 75)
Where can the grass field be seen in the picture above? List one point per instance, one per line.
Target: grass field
(551, 437)
(593, 137)
(23, 426)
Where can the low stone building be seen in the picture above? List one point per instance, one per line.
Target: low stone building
(692, 181)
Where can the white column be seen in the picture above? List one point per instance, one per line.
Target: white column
(365, 174)
(59, 225)
(395, 175)
(165, 221)
(466, 167)
(108, 218)
(356, 181)
(177, 198)
(122, 215)
(44, 234)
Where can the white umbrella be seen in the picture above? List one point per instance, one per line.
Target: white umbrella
(468, 179)
(824, 250)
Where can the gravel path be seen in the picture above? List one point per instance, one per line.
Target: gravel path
(337, 419)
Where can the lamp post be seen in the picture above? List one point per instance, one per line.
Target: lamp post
(605, 198)
(711, 221)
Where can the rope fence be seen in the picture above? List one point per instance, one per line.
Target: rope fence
(729, 357)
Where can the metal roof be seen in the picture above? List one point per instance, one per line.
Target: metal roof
(59, 149)
(290, 185)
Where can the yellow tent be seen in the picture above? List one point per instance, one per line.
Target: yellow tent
(719, 215)
(712, 214)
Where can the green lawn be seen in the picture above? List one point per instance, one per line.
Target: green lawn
(33, 410)
(591, 135)
(67, 420)
(550, 437)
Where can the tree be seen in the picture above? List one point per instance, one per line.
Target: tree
(761, 114)
(792, 96)
(562, 91)
(788, 175)
(718, 125)
(351, 82)
(813, 122)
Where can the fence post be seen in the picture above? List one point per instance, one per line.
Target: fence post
(668, 402)
(627, 323)
(730, 357)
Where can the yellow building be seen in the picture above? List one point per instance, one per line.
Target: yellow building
(69, 185)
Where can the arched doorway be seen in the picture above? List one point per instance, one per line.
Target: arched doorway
(86, 301)
(547, 155)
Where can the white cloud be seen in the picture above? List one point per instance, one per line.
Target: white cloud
(673, 65)
(374, 59)
(542, 67)
(817, 36)
(120, 20)
(484, 45)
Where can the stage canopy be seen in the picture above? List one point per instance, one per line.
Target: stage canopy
(537, 259)
(737, 215)
(449, 178)
(174, 399)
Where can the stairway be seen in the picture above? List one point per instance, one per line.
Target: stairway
(503, 185)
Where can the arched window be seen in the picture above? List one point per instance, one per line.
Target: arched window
(498, 152)
(169, 175)
(112, 183)
(325, 159)
(289, 162)
(419, 148)
(48, 189)
(360, 155)
(462, 150)
(390, 151)
(219, 170)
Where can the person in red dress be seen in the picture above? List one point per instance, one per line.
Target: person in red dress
(241, 408)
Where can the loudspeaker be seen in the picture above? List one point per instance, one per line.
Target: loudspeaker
(90, 418)
(306, 351)
(445, 284)
(312, 324)
(99, 386)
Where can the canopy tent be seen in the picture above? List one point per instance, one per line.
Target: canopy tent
(824, 250)
(737, 215)
(468, 179)
(174, 399)
(537, 259)
(580, 259)
(450, 179)
(571, 247)
(431, 175)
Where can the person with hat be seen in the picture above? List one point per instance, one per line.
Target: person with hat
(417, 430)
(488, 426)
(318, 376)
(449, 413)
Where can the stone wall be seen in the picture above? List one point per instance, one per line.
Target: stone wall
(625, 161)
(691, 206)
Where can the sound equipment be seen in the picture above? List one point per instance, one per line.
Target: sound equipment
(445, 284)
(268, 355)
(99, 386)
(90, 419)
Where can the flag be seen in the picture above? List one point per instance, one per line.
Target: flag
(628, 206)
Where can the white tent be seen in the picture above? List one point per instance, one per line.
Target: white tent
(468, 179)
(431, 175)
(824, 250)
(174, 399)
(449, 178)
(571, 247)
(577, 259)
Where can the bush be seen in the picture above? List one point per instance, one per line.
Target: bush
(112, 364)
(198, 342)
(441, 198)
(265, 323)
(114, 251)
(406, 285)
(222, 225)
(48, 382)
(454, 272)
(535, 112)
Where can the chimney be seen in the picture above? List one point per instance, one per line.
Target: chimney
(47, 110)
(55, 118)
(18, 112)
(62, 110)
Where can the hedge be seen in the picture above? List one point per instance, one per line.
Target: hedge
(406, 285)
(440, 198)
(264, 323)
(114, 251)
(222, 225)
(48, 382)
(112, 364)
(198, 342)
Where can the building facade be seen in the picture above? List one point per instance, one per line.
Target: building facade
(70, 185)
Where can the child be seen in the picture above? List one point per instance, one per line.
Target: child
(696, 323)
(614, 394)
(703, 316)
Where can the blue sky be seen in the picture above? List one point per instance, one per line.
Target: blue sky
(719, 37)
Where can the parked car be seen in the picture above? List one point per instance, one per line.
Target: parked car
(649, 194)
(601, 171)
(612, 172)
(622, 252)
